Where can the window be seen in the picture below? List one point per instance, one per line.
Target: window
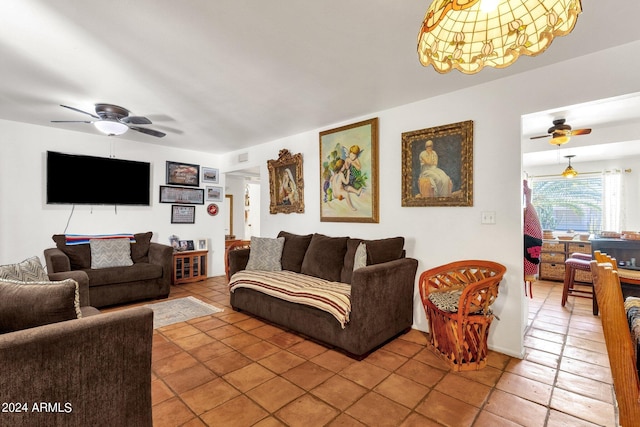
(568, 204)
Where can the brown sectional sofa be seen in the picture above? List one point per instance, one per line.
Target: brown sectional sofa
(381, 293)
(149, 277)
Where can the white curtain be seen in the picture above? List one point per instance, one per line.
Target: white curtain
(613, 211)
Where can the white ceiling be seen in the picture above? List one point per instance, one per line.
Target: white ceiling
(223, 75)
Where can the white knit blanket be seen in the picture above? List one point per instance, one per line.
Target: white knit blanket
(332, 297)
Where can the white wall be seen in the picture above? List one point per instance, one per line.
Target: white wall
(438, 235)
(27, 222)
(433, 235)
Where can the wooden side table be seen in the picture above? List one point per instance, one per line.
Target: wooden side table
(189, 266)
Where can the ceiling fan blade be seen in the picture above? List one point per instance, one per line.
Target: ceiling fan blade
(148, 131)
(580, 132)
(70, 121)
(136, 120)
(540, 136)
(80, 111)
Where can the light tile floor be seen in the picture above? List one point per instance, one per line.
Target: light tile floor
(231, 369)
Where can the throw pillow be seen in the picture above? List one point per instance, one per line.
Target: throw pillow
(26, 305)
(295, 246)
(325, 257)
(110, 253)
(265, 254)
(360, 258)
(29, 270)
(140, 249)
(79, 255)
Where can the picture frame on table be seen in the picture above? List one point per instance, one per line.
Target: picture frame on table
(202, 244)
(183, 174)
(186, 245)
(437, 166)
(349, 173)
(184, 195)
(286, 183)
(210, 175)
(181, 214)
(214, 193)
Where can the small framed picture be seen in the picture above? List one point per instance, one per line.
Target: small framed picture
(202, 244)
(214, 193)
(183, 214)
(210, 175)
(186, 245)
(190, 196)
(183, 174)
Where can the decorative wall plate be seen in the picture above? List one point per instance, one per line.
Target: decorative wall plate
(213, 209)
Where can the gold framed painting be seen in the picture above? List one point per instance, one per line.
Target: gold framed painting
(286, 183)
(349, 173)
(437, 166)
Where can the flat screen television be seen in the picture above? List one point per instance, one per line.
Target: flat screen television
(88, 180)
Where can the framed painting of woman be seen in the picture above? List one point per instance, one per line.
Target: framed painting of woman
(437, 166)
(286, 184)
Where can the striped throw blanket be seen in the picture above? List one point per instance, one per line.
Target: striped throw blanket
(332, 297)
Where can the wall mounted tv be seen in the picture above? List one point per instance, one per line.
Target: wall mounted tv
(77, 179)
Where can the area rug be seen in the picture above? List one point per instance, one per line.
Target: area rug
(180, 310)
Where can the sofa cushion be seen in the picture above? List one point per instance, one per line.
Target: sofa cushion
(325, 257)
(110, 253)
(349, 258)
(79, 255)
(265, 254)
(140, 249)
(446, 301)
(384, 250)
(29, 270)
(378, 251)
(295, 246)
(134, 273)
(29, 304)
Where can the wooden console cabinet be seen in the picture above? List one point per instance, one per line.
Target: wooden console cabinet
(555, 252)
(189, 266)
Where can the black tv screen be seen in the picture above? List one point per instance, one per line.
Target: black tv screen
(77, 179)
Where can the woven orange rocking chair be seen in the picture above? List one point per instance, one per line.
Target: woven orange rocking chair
(457, 298)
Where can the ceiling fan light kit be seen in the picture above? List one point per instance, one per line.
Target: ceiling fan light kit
(559, 140)
(111, 127)
(470, 34)
(113, 120)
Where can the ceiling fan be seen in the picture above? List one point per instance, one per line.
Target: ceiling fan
(560, 132)
(114, 120)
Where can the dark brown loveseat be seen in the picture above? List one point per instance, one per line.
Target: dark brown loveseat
(381, 293)
(148, 278)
